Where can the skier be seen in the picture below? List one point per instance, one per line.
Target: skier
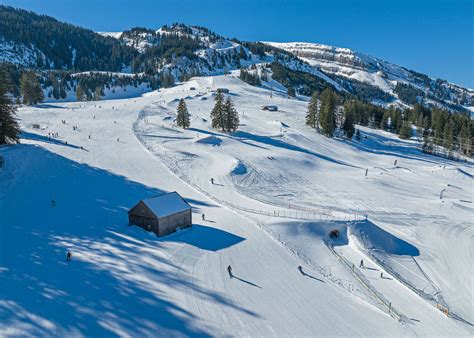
(361, 263)
(68, 256)
(212, 180)
(301, 269)
(229, 270)
(118, 139)
(203, 218)
(381, 275)
(89, 137)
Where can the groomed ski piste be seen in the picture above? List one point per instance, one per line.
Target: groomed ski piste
(279, 189)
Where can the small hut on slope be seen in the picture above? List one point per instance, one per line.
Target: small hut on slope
(161, 214)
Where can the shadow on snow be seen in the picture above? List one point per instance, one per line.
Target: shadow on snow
(116, 283)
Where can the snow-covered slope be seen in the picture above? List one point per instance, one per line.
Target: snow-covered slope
(344, 63)
(279, 188)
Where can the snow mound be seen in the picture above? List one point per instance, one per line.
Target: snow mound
(240, 169)
(210, 140)
(372, 237)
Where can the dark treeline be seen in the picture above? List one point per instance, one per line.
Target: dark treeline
(63, 45)
(31, 87)
(443, 132)
(250, 77)
(9, 128)
(305, 83)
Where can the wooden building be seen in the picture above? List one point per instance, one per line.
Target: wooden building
(161, 214)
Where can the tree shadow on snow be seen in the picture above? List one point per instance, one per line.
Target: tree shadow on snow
(120, 277)
(382, 145)
(207, 132)
(284, 145)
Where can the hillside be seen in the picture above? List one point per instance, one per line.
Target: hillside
(279, 188)
(42, 42)
(178, 52)
(405, 85)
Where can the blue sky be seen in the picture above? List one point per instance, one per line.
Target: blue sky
(434, 37)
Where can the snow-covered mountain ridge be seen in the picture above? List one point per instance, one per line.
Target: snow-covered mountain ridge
(344, 63)
(177, 52)
(345, 69)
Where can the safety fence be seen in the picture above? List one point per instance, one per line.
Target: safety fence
(320, 214)
(436, 300)
(392, 311)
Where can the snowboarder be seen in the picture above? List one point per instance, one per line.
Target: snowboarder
(361, 263)
(229, 270)
(212, 180)
(68, 256)
(301, 269)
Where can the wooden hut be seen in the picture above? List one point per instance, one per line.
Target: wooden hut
(161, 214)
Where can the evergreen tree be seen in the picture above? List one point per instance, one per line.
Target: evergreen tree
(182, 118)
(97, 93)
(405, 130)
(231, 116)
(466, 138)
(80, 94)
(62, 91)
(312, 116)
(428, 146)
(9, 128)
(217, 113)
(348, 125)
(31, 88)
(291, 92)
(448, 136)
(328, 108)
